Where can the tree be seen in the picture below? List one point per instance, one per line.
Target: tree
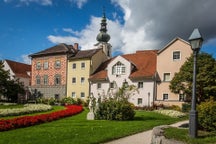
(4, 76)
(206, 74)
(10, 88)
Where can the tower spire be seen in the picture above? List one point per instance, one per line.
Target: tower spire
(103, 36)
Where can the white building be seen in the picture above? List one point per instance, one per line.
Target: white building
(138, 69)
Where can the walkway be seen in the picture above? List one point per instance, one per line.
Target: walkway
(141, 138)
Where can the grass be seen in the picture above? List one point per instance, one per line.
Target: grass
(183, 135)
(78, 130)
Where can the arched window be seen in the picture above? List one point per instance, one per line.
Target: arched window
(57, 79)
(118, 69)
(38, 80)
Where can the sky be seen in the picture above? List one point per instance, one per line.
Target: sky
(29, 26)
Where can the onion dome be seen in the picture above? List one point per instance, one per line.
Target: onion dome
(103, 36)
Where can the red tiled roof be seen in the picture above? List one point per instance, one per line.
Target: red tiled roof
(19, 69)
(58, 49)
(101, 72)
(144, 62)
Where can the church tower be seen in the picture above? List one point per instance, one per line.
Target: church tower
(103, 37)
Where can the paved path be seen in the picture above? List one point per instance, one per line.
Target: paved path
(141, 138)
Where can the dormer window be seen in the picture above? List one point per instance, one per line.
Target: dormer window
(118, 69)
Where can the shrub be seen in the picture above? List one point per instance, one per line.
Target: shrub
(174, 107)
(186, 107)
(111, 109)
(207, 115)
(171, 113)
(68, 101)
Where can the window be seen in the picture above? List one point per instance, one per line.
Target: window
(57, 79)
(74, 66)
(82, 65)
(82, 94)
(46, 65)
(112, 85)
(139, 101)
(45, 79)
(176, 55)
(82, 80)
(57, 64)
(140, 84)
(166, 77)
(37, 79)
(118, 69)
(73, 80)
(165, 97)
(38, 65)
(57, 97)
(73, 94)
(98, 85)
(181, 97)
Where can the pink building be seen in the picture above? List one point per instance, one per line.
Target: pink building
(169, 61)
(49, 70)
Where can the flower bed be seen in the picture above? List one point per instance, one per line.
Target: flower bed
(171, 113)
(28, 108)
(26, 121)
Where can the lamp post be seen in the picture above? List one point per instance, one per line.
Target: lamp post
(195, 40)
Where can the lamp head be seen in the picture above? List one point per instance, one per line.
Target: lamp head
(195, 40)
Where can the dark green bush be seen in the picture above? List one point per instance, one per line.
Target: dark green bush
(186, 107)
(68, 101)
(207, 115)
(111, 109)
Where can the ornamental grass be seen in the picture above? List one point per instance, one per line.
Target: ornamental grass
(27, 109)
(171, 113)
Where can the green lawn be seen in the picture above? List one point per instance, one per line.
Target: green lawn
(77, 130)
(183, 135)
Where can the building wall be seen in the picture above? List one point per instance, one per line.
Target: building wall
(97, 59)
(51, 72)
(26, 81)
(166, 64)
(91, 64)
(146, 93)
(78, 73)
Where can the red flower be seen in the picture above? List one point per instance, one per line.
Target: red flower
(26, 121)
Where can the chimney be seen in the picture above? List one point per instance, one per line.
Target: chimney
(76, 46)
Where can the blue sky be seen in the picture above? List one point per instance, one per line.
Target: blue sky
(29, 26)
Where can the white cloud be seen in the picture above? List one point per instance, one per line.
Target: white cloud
(87, 37)
(26, 59)
(79, 3)
(148, 24)
(69, 30)
(27, 2)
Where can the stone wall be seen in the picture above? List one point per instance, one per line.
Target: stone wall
(159, 138)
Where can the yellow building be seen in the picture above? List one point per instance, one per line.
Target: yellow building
(80, 67)
(85, 63)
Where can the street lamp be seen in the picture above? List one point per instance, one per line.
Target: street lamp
(195, 40)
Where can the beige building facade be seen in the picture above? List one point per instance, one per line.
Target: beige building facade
(169, 61)
(80, 67)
